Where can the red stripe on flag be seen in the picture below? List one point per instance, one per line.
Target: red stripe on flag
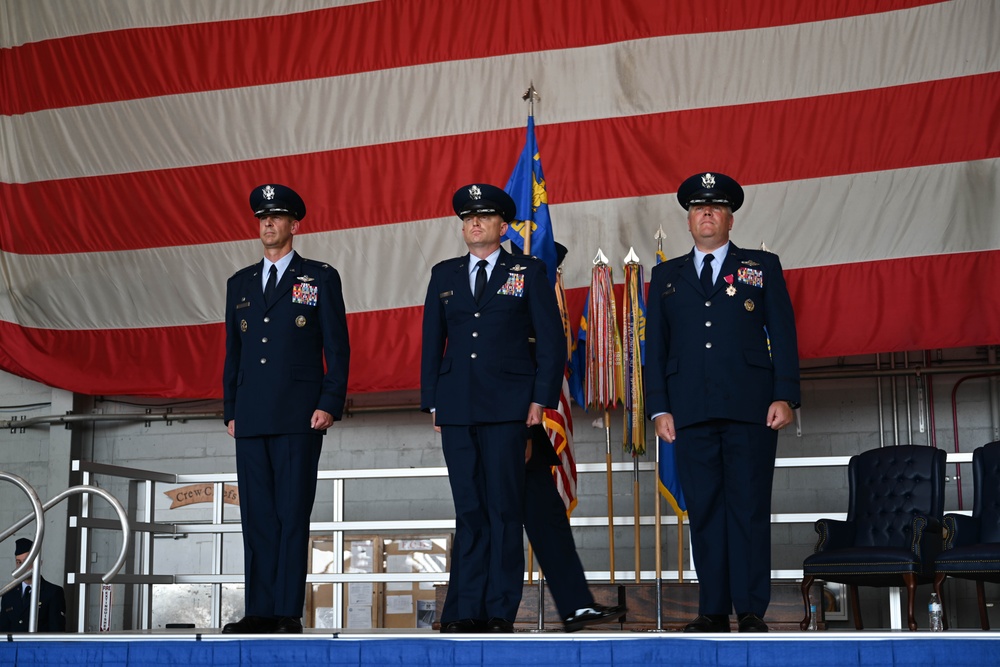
(872, 130)
(840, 310)
(157, 362)
(149, 62)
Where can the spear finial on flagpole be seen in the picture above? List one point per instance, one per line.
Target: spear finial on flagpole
(530, 95)
(601, 259)
(659, 236)
(631, 257)
(764, 247)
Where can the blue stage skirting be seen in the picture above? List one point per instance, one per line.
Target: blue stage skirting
(619, 651)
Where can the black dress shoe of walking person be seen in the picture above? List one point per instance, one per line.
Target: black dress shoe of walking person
(251, 625)
(708, 623)
(288, 625)
(499, 625)
(464, 625)
(593, 615)
(751, 623)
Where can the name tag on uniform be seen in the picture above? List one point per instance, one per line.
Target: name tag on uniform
(242, 304)
(445, 295)
(669, 290)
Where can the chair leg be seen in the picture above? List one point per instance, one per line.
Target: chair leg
(939, 589)
(911, 594)
(806, 583)
(984, 619)
(855, 607)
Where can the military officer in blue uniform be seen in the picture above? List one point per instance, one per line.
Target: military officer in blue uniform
(15, 606)
(485, 383)
(285, 317)
(722, 377)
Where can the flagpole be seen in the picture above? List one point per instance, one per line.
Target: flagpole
(657, 536)
(530, 95)
(659, 236)
(635, 385)
(599, 396)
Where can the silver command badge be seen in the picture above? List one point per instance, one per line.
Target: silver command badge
(749, 305)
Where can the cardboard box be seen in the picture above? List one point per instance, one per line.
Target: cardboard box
(413, 604)
(361, 599)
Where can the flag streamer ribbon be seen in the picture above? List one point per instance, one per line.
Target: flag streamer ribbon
(634, 335)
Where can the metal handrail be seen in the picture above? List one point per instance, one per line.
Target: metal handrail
(38, 512)
(20, 574)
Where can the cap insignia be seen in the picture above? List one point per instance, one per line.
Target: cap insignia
(708, 181)
(268, 192)
(475, 192)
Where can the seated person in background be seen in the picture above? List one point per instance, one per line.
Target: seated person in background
(16, 603)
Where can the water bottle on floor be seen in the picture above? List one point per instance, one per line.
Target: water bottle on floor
(934, 609)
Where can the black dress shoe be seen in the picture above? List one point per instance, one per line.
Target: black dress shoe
(752, 623)
(708, 623)
(288, 625)
(593, 615)
(499, 625)
(465, 625)
(251, 625)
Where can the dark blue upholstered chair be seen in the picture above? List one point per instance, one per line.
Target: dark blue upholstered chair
(972, 543)
(893, 529)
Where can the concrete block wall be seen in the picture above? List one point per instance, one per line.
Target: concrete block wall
(839, 417)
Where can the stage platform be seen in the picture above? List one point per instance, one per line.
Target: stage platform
(423, 647)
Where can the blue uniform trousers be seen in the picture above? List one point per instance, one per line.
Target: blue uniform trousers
(726, 469)
(277, 482)
(486, 473)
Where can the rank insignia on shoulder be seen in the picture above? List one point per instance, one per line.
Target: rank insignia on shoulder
(518, 267)
(305, 279)
(750, 262)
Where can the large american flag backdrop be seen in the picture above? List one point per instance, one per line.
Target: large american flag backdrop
(866, 134)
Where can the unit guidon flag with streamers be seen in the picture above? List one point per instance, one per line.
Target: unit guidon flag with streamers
(864, 133)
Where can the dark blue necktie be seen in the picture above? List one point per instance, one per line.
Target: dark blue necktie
(480, 279)
(706, 274)
(272, 281)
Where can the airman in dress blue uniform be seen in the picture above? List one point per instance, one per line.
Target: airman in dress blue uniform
(285, 317)
(486, 383)
(722, 377)
(15, 606)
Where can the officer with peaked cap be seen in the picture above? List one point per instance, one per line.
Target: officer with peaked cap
(722, 378)
(284, 384)
(485, 385)
(15, 606)
(547, 526)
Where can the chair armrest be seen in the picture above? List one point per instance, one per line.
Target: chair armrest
(960, 530)
(834, 534)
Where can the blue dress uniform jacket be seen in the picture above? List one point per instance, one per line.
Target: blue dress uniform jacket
(274, 376)
(716, 361)
(478, 365)
(15, 609)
